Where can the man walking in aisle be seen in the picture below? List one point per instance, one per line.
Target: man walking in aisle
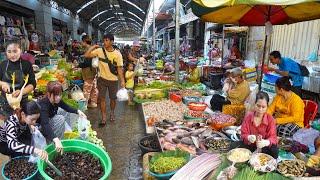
(110, 72)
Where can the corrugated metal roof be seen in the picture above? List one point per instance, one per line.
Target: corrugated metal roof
(298, 40)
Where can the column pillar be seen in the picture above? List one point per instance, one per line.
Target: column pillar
(43, 19)
(73, 27)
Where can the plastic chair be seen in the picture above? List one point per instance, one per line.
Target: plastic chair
(310, 112)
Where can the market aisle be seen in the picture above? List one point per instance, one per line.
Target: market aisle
(121, 140)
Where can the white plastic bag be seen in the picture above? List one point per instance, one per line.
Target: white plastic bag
(122, 95)
(38, 141)
(83, 128)
(76, 93)
(95, 62)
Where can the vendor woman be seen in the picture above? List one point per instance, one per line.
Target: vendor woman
(237, 93)
(51, 119)
(15, 132)
(258, 129)
(15, 68)
(193, 73)
(287, 108)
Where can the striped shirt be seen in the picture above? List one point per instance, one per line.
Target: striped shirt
(9, 133)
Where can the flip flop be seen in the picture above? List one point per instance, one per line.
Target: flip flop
(112, 118)
(103, 123)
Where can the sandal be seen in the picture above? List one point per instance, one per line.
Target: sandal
(112, 118)
(103, 123)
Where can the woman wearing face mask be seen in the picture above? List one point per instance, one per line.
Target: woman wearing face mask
(236, 94)
(14, 66)
(258, 129)
(287, 108)
(17, 128)
(53, 121)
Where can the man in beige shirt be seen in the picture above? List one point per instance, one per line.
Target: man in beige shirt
(107, 80)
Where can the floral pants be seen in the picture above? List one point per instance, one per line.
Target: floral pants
(90, 90)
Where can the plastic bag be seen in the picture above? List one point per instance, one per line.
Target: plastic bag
(67, 127)
(76, 93)
(83, 128)
(122, 95)
(306, 136)
(38, 141)
(95, 62)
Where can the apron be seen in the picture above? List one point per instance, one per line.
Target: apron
(5, 108)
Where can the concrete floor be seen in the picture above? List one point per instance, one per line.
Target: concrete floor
(121, 140)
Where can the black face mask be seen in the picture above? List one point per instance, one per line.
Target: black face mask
(88, 42)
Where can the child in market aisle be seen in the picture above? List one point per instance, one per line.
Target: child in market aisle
(130, 74)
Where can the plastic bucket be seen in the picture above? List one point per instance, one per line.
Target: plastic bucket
(75, 145)
(33, 176)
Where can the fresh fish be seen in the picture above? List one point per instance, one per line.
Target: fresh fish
(169, 122)
(220, 134)
(170, 136)
(198, 131)
(195, 141)
(206, 133)
(184, 134)
(187, 141)
(176, 140)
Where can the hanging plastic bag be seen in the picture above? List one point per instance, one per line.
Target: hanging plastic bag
(122, 95)
(38, 141)
(95, 62)
(67, 127)
(83, 128)
(76, 93)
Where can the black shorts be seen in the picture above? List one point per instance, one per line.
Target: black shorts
(111, 86)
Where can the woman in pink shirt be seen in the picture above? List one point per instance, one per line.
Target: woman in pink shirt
(258, 128)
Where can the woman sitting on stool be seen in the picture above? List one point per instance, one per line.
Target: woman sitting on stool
(258, 129)
(236, 94)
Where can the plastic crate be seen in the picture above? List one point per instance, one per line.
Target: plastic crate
(269, 87)
(271, 78)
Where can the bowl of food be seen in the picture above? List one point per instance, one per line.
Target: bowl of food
(285, 143)
(230, 130)
(291, 168)
(263, 162)
(239, 155)
(218, 144)
(149, 143)
(197, 106)
(218, 121)
(190, 99)
(165, 164)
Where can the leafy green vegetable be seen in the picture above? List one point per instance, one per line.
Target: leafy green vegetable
(248, 173)
(167, 164)
(168, 161)
(224, 164)
(48, 77)
(72, 103)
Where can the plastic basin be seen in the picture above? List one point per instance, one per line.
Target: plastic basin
(33, 176)
(75, 145)
(145, 149)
